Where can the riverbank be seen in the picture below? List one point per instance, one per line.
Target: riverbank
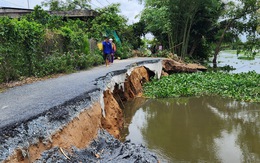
(76, 122)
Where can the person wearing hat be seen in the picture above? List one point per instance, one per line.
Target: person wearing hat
(107, 50)
(113, 50)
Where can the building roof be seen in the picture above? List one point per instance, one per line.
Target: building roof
(18, 12)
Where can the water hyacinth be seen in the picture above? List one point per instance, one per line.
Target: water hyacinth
(242, 86)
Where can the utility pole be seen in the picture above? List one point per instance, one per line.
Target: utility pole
(28, 4)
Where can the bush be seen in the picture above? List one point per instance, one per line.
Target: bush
(40, 44)
(19, 47)
(68, 62)
(29, 49)
(123, 51)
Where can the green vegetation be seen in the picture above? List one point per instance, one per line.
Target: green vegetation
(247, 57)
(61, 5)
(244, 55)
(36, 46)
(243, 86)
(40, 44)
(225, 68)
(230, 51)
(200, 28)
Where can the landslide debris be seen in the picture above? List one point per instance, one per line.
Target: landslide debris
(104, 149)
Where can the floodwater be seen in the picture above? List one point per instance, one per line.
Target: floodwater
(226, 58)
(195, 129)
(198, 129)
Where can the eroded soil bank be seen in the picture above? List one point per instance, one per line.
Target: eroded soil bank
(105, 148)
(63, 133)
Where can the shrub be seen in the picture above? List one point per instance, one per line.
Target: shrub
(123, 51)
(19, 47)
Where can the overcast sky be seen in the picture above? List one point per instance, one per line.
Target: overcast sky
(129, 8)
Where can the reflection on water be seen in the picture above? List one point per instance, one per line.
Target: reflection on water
(196, 129)
(226, 58)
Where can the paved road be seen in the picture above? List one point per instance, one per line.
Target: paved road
(19, 103)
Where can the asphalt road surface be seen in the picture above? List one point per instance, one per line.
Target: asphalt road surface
(22, 102)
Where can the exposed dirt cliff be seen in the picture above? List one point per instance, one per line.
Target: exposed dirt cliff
(79, 132)
(113, 121)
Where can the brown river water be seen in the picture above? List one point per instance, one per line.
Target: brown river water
(197, 129)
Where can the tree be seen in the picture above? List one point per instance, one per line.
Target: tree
(59, 5)
(107, 20)
(191, 28)
(180, 22)
(258, 19)
(240, 17)
(133, 33)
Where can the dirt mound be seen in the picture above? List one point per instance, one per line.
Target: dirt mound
(172, 66)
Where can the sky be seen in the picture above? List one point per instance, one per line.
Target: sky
(129, 8)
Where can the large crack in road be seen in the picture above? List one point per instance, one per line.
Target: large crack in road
(55, 120)
(25, 139)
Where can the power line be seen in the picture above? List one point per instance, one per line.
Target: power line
(100, 3)
(108, 2)
(94, 4)
(28, 4)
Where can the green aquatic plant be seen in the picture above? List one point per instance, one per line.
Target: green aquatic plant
(226, 68)
(242, 86)
(247, 57)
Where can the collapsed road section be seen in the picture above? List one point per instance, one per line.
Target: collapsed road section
(74, 130)
(74, 123)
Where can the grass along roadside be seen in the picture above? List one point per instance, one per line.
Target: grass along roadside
(243, 86)
(26, 80)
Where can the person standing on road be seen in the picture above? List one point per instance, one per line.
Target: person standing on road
(107, 50)
(113, 50)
